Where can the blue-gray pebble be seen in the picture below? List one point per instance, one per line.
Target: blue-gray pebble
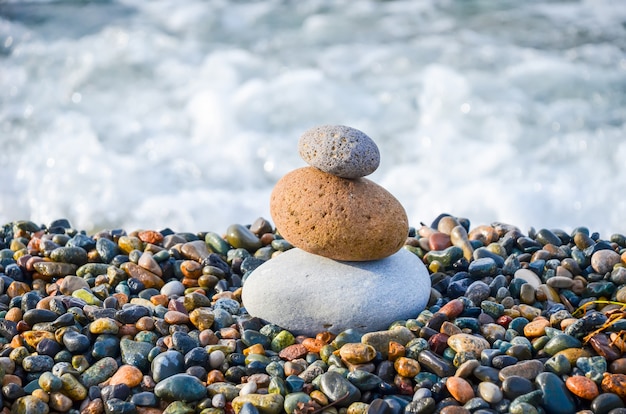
(339, 150)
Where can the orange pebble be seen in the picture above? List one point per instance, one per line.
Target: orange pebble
(127, 374)
(150, 236)
(254, 349)
(396, 350)
(313, 345)
(460, 389)
(13, 315)
(159, 300)
(214, 376)
(191, 269)
(407, 367)
(582, 387)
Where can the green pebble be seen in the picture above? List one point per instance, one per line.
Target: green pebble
(237, 254)
(282, 340)
(87, 296)
(446, 257)
(257, 357)
(50, 382)
(560, 342)
(215, 242)
(598, 289)
(540, 343)
(559, 364)
(179, 407)
(281, 245)
(28, 405)
(266, 404)
(522, 408)
(493, 309)
(180, 387)
(518, 324)
(241, 237)
(277, 386)
(73, 388)
(95, 269)
(229, 390)
(292, 400)
(99, 372)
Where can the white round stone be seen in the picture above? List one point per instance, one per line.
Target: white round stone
(173, 288)
(307, 294)
(339, 150)
(529, 276)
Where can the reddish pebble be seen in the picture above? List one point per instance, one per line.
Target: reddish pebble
(94, 407)
(128, 330)
(267, 238)
(460, 389)
(603, 347)
(208, 337)
(504, 321)
(404, 385)
(292, 352)
(11, 379)
(582, 387)
(439, 241)
(150, 236)
(438, 343)
(618, 366)
(145, 323)
(175, 318)
(147, 410)
(452, 309)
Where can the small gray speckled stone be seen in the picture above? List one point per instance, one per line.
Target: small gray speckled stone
(339, 150)
(307, 294)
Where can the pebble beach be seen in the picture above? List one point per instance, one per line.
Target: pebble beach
(151, 321)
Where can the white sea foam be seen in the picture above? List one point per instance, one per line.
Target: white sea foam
(157, 114)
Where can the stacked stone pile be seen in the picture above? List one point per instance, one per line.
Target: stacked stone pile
(348, 268)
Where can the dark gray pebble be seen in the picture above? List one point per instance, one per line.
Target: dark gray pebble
(606, 402)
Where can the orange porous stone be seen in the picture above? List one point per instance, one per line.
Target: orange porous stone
(615, 383)
(338, 218)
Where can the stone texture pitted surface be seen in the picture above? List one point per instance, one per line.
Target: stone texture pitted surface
(339, 150)
(306, 293)
(341, 219)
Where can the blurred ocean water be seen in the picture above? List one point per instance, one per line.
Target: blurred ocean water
(150, 114)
